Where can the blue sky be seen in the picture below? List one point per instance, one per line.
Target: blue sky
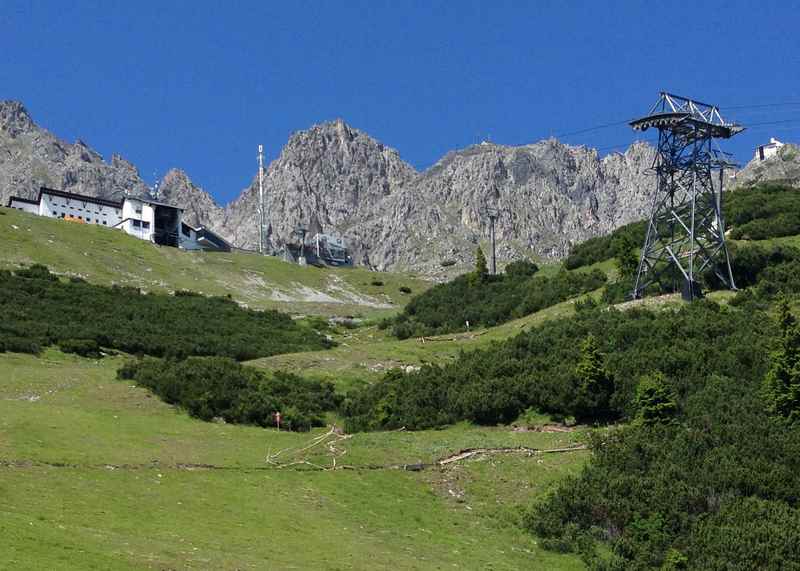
(199, 85)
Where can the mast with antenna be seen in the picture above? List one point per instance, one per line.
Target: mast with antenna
(493, 213)
(261, 208)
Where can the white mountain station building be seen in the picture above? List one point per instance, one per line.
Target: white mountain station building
(763, 152)
(143, 218)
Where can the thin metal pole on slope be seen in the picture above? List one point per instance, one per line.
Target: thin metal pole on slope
(494, 253)
(261, 213)
(721, 225)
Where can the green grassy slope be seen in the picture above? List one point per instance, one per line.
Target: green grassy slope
(106, 256)
(96, 474)
(365, 353)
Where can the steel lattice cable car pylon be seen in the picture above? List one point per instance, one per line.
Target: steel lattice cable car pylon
(686, 234)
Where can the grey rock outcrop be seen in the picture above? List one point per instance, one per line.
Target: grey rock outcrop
(784, 167)
(549, 195)
(200, 209)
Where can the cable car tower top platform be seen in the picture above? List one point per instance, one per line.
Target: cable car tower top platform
(687, 117)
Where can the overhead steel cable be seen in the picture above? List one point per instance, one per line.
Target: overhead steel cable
(764, 105)
(589, 129)
(627, 121)
(779, 122)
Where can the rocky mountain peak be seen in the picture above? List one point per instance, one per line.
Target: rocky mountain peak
(14, 118)
(327, 177)
(200, 209)
(175, 177)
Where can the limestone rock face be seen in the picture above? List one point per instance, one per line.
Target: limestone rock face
(549, 196)
(327, 178)
(337, 179)
(31, 157)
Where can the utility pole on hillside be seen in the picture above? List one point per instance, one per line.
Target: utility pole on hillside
(493, 214)
(262, 215)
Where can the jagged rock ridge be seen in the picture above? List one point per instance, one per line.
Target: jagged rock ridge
(337, 179)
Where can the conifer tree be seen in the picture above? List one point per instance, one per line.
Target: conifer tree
(627, 258)
(481, 269)
(782, 383)
(655, 402)
(595, 386)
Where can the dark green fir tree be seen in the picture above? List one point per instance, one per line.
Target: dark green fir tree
(595, 386)
(782, 382)
(655, 401)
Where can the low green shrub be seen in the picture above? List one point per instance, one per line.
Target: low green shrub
(82, 347)
(490, 300)
(706, 478)
(41, 310)
(36, 272)
(538, 369)
(601, 248)
(219, 387)
(752, 213)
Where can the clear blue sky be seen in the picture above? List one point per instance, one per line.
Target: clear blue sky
(198, 85)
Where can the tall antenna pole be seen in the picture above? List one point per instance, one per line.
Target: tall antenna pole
(493, 213)
(261, 209)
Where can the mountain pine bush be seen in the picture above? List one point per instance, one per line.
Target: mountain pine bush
(219, 387)
(40, 310)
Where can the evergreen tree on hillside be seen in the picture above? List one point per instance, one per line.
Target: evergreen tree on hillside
(481, 269)
(782, 383)
(595, 386)
(655, 401)
(627, 258)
